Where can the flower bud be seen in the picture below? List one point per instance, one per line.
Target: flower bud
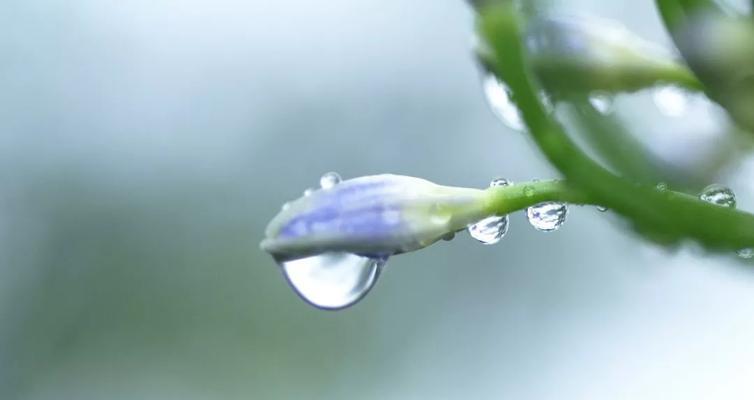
(378, 215)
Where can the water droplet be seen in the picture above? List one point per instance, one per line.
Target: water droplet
(602, 209)
(662, 186)
(671, 100)
(746, 254)
(286, 206)
(497, 182)
(529, 191)
(719, 195)
(547, 217)
(499, 98)
(329, 180)
(489, 230)
(449, 236)
(332, 280)
(602, 102)
(308, 192)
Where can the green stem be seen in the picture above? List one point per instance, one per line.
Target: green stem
(507, 199)
(661, 215)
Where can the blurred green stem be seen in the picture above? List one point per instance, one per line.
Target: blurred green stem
(664, 216)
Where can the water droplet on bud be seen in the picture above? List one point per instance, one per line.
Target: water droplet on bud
(329, 180)
(332, 280)
(547, 217)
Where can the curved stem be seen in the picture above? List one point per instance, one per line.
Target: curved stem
(661, 215)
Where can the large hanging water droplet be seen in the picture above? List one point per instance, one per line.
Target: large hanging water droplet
(547, 217)
(499, 98)
(491, 229)
(329, 180)
(332, 280)
(601, 102)
(719, 195)
(671, 100)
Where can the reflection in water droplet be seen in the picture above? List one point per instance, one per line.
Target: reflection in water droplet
(602, 209)
(332, 280)
(671, 100)
(601, 102)
(547, 217)
(491, 229)
(747, 253)
(719, 195)
(329, 180)
(308, 192)
(499, 98)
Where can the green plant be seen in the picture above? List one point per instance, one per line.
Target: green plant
(346, 231)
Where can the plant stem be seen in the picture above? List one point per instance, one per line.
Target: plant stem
(664, 216)
(507, 199)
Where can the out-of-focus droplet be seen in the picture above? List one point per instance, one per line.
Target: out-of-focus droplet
(746, 254)
(329, 180)
(662, 186)
(499, 98)
(671, 100)
(547, 217)
(492, 229)
(308, 192)
(601, 102)
(602, 209)
(332, 280)
(286, 206)
(719, 195)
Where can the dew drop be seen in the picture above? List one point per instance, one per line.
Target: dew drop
(602, 209)
(308, 192)
(719, 195)
(499, 98)
(497, 182)
(286, 206)
(332, 280)
(672, 101)
(329, 180)
(491, 229)
(601, 102)
(547, 217)
(746, 254)
(662, 186)
(529, 191)
(449, 236)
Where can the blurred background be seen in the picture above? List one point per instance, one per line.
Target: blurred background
(144, 145)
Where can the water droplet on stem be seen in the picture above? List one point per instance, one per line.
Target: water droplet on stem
(547, 217)
(719, 195)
